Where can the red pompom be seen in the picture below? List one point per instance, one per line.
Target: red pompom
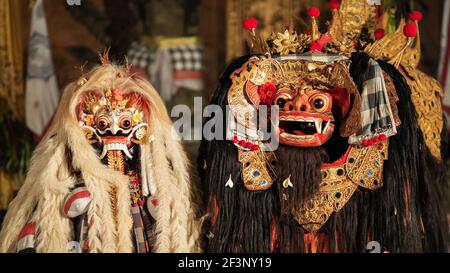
(383, 137)
(415, 16)
(242, 143)
(250, 23)
(255, 147)
(315, 47)
(355, 44)
(376, 139)
(365, 142)
(314, 12)
(235, 139)
(410, 30)
(334, 4)
(379, 33)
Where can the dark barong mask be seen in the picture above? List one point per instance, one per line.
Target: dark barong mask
(360, 131)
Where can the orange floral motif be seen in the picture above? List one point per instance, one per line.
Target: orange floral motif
(89, 120)
(117, 94)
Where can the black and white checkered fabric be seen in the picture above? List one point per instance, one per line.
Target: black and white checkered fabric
(140, 56)
(376, 112)
(186, 58)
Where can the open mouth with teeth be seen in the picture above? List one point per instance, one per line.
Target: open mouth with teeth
(305, 129)
(116, 143)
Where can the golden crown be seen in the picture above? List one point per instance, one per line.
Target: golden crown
(355, 25)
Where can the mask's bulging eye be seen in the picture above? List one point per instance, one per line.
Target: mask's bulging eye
(125, 123)
(320, 103)
(280, 102)
(102, 123)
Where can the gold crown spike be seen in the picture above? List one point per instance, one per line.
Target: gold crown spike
(349, 19)
(335, 27)
(396, 48)
(314, 13)
(348, 22)
(257, 44)
(388, 47)
(412, 54)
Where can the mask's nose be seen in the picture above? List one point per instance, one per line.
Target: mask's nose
(114, 128)
(301, 103)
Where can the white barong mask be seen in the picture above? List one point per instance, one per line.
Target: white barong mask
(113, 120)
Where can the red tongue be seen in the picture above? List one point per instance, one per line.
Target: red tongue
(297, 132)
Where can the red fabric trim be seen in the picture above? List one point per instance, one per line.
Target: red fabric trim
(78, 195)
(187, 75)
(28, 229)
(340, 161)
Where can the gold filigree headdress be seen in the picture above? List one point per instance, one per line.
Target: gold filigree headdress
(356, 26)
(348, 20)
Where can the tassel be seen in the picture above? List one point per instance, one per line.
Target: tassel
(144, 183)
(148, 185)
(230, 183)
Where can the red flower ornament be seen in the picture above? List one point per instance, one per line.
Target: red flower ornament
(267, 93)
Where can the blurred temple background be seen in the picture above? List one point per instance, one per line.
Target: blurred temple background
(181, 46)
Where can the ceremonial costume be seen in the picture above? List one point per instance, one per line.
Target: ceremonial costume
(362, 142)
(109, 176)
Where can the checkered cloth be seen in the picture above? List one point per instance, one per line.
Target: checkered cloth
(376, 112)
(141, 242)
(169, 69)
(186, 58)
(140, 56)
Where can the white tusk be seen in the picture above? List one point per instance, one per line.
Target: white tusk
(318, 123)
(327, 126)
(126, 151)
(104, 151)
